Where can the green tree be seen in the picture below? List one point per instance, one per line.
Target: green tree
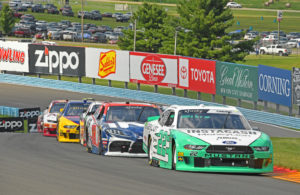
(149, 34)
(7, 19)
(203, 24)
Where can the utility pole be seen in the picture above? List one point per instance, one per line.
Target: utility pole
(134, 36)
(81, 20)
(175, 42)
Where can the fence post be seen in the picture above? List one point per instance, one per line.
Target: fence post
(79, 79)
(138, 86)
(291, 111)
(185, 92)
(39, 75)
(239, 102)
(255, 105)
(155, 88)
(213, 98)
(265, 106)
(109, 83)
(58, 77)
(126, 85)
(224, 99)
(277, 108)
(93, 81)
(173, 91)
(199, 95)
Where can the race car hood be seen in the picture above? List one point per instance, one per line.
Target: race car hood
(225, 136)
(133, 128)
(74, 119)
(51, 117)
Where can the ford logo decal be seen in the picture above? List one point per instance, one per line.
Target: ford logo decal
(229, 142)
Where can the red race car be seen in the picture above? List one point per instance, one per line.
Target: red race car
(49, 118)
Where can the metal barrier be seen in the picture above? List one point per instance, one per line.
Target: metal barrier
(9, 111)
(254, 115)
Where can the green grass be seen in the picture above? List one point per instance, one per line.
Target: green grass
(286, 152)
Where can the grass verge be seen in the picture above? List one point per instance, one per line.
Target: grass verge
(286, 152)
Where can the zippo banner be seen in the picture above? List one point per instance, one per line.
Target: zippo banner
(32, 125)
(153, 69)
(29, 112)
(107, 64)
(296, 86)
(274, 85)
(237, 81)
(57, 60)
(11, 124)
(197, 75)
(14, 56)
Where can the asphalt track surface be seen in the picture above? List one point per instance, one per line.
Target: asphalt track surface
(33, 164)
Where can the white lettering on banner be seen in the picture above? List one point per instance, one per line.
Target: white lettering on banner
(275, 85)
(240, 78)
(29, 114)
(10, 124)
(153, 69)
(55, 59)
(205, 76)
(32, 127)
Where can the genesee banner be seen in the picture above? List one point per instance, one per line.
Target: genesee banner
(197, 75)
(11, 124)
(153, 69)
(107, 64)
(296, 86)
(237, 81)
(274, 85)
(57, 60)
(14, 56)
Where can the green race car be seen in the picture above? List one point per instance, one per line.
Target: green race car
(206, 139)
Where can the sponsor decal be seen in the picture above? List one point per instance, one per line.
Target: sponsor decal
(229, 142)
(29, 112)
(212, 155)
(57, 60)
(153, 69)
(12, 55)
(32, 125)
(183, 72)
(107, 63)
(220, 131)
(11, 124)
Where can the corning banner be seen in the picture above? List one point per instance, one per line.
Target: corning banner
(237, 81)
(153, 69)
(29, 112)
(32, 125)
(274, 85)
(296, 86)
(11, 124)
(197, 75)
(107, 64)
(14, 56)
(57, 60)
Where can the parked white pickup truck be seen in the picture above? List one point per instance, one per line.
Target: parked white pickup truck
(275, 50)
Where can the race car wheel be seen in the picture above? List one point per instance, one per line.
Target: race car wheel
(100, 145)
(149, 152)
(174, 156)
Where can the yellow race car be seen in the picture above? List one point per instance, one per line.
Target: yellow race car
(68, 121)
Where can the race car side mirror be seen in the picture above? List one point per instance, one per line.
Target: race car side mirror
(255, 128)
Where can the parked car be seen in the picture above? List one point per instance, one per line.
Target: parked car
(38, 8)
(67, 12)
(107, 14)
(233, 5)
(275, 50)
(65, 7)
(292, 43)
(99, 37)
(52, 10)
(95, 15)
(28, 4)
(23, 32)
(104, 28)
(293, 35)
(21, 9)
(122, 18)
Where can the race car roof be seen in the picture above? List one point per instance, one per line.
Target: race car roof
(203, 107)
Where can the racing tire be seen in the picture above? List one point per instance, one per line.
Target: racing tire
(174, 156)
(100, 152)
(150, 161)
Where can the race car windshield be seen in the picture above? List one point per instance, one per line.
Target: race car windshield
(130, 113)
(76, 109)
(200, 119)
(56, 107)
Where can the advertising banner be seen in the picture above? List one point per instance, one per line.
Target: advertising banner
(153, 69)
(29, 112)
(14, 56)
(197, 75)
(237, 81)
(57, 60)
(274, 85)
(107, 64)
(11, 124)
(32, 125)
(296, 86)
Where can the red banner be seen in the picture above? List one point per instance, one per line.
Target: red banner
(197, 75)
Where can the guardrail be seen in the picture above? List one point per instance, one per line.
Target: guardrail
(9, 111)
(254, 115)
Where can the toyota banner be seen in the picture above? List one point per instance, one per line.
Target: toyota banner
(197, 75)
(153, 69)
(57, 60)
